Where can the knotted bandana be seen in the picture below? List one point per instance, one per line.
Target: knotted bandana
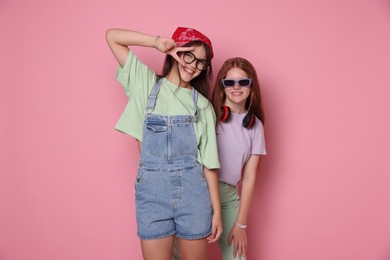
(184, 35)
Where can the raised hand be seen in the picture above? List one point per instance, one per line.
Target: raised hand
(168, 46)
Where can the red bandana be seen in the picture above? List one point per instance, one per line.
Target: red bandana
(184, 35)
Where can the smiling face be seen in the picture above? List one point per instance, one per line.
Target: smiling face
(190, 71)
(236, 95)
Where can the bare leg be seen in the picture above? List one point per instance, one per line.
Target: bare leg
(157, 249)
(193, 249)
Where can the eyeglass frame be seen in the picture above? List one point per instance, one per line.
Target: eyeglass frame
(236, 81)
(196, 59)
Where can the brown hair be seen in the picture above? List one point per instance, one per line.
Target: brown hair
(253, 103)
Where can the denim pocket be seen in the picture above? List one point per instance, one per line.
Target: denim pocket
(140, 176)
(156, 126)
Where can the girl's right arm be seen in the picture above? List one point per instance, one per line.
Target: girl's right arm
(212, 181)
(119, 39)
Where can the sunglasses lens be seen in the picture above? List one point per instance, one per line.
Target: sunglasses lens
(228, 82)
(244, 82)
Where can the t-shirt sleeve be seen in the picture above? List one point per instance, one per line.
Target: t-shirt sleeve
(137, 81)
(258, 141)
(135, 77)
(208, 146)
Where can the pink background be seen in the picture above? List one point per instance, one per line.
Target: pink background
(66, 182)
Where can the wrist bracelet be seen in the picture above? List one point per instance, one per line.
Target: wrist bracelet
(155, 41)
(240, 225)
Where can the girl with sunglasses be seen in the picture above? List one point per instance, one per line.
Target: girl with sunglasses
(240, 136)
(177, 184)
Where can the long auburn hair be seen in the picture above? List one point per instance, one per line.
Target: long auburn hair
(202, 82)
(253, 103)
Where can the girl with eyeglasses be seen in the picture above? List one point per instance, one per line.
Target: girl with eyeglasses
(240, 136)
(174, 123)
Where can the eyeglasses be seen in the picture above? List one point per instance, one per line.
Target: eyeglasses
(228, 83)
(189, 58)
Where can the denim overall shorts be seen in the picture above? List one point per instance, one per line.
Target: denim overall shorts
(172, 196)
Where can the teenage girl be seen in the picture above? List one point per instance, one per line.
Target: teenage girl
(174, 123)
(240, 136)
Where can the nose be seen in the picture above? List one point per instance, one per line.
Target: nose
(236, 85)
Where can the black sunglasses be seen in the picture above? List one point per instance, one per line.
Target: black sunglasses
(228, 83)
(189, 58)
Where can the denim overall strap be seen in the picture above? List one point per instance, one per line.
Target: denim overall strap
(153, 96)
(195, 94)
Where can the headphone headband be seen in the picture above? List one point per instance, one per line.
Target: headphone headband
(248, 121)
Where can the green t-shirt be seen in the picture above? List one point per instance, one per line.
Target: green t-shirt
(138, 80)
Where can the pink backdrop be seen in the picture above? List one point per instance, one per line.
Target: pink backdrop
(66, 182)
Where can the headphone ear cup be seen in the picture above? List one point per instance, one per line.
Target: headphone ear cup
(226, 113)
(249, 120)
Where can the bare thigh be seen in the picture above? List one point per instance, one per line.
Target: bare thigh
(193, 249)
(157, 249)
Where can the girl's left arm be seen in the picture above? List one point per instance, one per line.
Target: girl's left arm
(247, 188)
(212, 181)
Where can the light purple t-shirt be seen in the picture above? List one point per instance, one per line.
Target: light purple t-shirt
(236, 144)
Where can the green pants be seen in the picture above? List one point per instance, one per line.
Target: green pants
(230, 204)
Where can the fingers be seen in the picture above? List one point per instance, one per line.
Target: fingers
(168, 46)
(164, 44)
(230, 239)
(174, 55)
(235, 248)
(211, 237)
(173, 52)
(239, 249)
(180, 49)
(214, 231)
(239, 243)
(219, 233)
(215, 234)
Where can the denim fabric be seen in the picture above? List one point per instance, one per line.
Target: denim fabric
(172, 195)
